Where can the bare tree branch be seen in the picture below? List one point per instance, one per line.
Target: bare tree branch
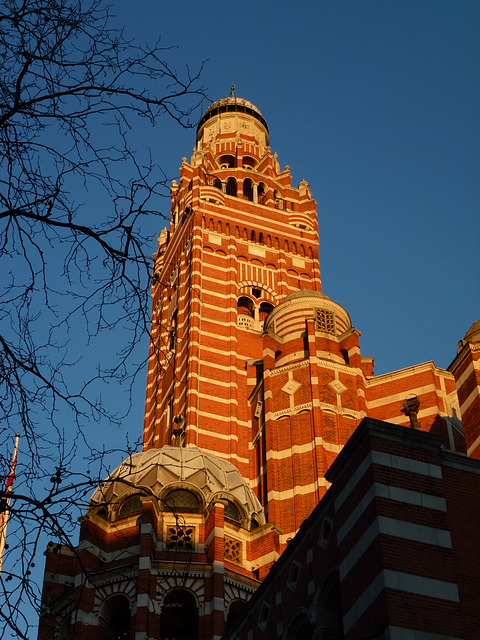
(76, 197)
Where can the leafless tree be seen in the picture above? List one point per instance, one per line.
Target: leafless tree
(75, 200)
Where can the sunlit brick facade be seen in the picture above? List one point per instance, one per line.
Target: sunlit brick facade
(256, 383)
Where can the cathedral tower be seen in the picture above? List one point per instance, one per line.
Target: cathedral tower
(249, 359)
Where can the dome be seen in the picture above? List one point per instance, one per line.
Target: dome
(235, 104)
(288, 318)
(160, 470)
(305, 293)
(473, 334)
(231, 104)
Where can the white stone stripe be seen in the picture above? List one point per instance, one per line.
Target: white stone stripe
(425, 413)
(408, 582)
(468, 372)
(218, 383)
(400, 633)
(215, 604)
(398, 529)
(471, 398)
(419, 585)
(272, 556)
(220, 436)
(111, 556)
(386, 460)
(303, 448)
(206, 396)
(298, 490)
(392, 493)
(216, 532)
(407, 464)
(397, 397)
(228, 456)
(144, 600)
(473, 446)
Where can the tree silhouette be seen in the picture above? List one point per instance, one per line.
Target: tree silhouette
(75, 199)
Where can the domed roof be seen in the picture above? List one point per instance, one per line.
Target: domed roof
(236, 102)
(305, 293)
(231, 104)
(288, 318)
(178, 467)
(473, 334)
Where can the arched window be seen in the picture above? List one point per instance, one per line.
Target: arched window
(182, 500)
(231, 512)
(227, 162)
(328, 607)
(248, 189)
(116, 618)
(231, 189)
(245, 307)
(131, 505)
(276, 197)
(261, 193)
(217, 183)
(235, 612)
(265, 309)
(300, 629)
(179, 617)
(248, 162)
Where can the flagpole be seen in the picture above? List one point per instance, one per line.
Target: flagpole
(5, 502)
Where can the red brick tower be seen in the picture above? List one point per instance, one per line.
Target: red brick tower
(249, 359)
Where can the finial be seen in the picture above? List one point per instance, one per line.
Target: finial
(232, 91)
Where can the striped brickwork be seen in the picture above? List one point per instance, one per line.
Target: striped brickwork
(389, 552)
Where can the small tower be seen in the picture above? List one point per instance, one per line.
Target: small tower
(466, 369)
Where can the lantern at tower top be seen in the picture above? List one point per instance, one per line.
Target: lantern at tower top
(232, 116)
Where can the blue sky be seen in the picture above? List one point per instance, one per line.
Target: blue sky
(374, 103)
